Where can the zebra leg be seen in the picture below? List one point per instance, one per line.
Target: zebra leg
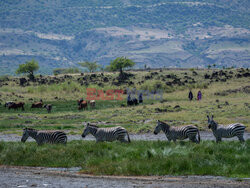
(241, 138)
(193, 139)
(218, 139)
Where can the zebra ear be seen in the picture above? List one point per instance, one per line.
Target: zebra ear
(212, 117)
(208, 117)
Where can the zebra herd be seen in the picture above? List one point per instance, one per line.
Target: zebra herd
(120, 133)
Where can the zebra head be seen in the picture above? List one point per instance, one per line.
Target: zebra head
(86, 130)
(28, 132)
(25, 135)
(211, 123)
(161, 126)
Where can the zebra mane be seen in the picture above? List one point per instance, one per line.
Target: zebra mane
(92, 125)
(163, 124)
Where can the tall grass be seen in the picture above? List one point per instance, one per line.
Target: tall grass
(230, 159)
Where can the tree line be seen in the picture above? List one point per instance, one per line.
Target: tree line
(118, 64)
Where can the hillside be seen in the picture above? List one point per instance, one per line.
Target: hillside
(156, 33)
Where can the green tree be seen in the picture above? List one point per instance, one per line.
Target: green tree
(214, 65)
(120, 63)
(209, 66)
(28, 68)
(91, 66)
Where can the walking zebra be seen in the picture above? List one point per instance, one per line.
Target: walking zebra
(228, 131)
(106, 134)
(181, 133)
(42, 137)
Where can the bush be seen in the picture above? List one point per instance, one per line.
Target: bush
(4, 78)
(65, 71)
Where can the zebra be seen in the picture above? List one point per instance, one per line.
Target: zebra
(42, 137)
(181, 133)
(106, 134)
(228, 131)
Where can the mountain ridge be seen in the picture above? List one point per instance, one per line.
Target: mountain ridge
(164, 34)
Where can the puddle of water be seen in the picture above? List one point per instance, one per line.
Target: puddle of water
(72, 169)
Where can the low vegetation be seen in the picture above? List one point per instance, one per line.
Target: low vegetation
(173, 106)
(225, 93)
(230, 159)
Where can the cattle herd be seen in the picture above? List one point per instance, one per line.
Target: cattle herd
(17, 105)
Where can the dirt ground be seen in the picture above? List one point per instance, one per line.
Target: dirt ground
(148, 136)
(56, 177)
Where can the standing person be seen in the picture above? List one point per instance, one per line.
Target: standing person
(140, 98)
(199, 95)
(128, 100)
(190, 95)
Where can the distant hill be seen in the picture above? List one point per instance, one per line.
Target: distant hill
(159, 33)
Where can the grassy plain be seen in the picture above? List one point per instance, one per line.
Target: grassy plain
(228, 99)
(233, 106)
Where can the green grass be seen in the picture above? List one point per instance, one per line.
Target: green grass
(139, 119)
(229, 158)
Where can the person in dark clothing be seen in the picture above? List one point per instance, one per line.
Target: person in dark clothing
(190, 95)
(140, 98)
(199, 95)
(129, 101)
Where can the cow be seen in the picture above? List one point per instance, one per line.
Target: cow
(48, 107)
(79, 101)
(17, 105)
(132, 101)
(37, 104)
(7, 104)
(83, 105)
(92, 103)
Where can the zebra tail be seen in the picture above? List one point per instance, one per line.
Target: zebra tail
(199, 138)
(66, 139)
(128, 137)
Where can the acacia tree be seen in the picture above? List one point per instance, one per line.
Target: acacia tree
(28, 68)
(91, 66)
(120, 63)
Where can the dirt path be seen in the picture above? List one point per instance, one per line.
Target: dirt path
(53, 177)
(147, 136)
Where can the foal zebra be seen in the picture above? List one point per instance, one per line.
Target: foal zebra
(181, 133)
(228, 131)
(42, 137)
(106, 134)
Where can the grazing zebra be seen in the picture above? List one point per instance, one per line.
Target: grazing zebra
(42, 137)
(228, 131)
(181, 133)
(106, 134)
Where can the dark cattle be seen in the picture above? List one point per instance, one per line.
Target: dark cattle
(134, 101)
(17, 105)
(92, 103)
(37, 104)
(79, 101)
(48, 107)
(7, 104)
(83, 105)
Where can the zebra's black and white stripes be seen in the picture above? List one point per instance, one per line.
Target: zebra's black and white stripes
(42, 137)
(180, 133)
(106, 134)
(228, 131)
